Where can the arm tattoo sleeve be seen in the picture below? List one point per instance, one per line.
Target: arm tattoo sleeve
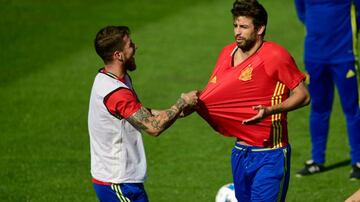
(180, 104)
(170, 117)
(144, 120)
(139, 118)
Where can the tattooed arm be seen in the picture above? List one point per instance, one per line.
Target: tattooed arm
(154, 123)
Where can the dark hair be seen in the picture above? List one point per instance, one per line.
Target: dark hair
(110, 39)
(250, 8)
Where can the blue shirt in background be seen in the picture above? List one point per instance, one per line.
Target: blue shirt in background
(330, 27)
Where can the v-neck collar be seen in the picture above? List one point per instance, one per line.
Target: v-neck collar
(236, 49)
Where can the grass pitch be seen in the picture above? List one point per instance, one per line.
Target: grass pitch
(48, 64)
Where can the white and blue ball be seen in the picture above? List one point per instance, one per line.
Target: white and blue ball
(226, 193)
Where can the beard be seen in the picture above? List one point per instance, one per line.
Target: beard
(247, 44)
(130, 64)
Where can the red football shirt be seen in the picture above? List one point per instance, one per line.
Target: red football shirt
(265, 78)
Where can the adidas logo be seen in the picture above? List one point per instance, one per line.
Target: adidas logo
(213, 80)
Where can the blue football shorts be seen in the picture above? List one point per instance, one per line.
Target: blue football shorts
(260, 174)
(124, 192)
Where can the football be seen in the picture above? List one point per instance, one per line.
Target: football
(226, 193)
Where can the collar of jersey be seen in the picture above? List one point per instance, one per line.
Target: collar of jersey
(112, 75)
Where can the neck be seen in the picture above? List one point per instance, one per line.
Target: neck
(241, 55)
(116, 68)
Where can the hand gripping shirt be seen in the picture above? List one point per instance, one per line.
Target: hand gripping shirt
(265, 78)
(117, 150)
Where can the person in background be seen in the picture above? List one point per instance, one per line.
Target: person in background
(331, 59)
(116, 117)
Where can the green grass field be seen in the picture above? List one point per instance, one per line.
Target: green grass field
(48, 64)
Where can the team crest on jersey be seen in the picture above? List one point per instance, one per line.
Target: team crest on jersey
(245, 74)
(213, 80)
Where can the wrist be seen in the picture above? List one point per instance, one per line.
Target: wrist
(180, 104)
(270, 110)
(274, 110)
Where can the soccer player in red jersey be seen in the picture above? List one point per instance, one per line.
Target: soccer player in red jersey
(116, 118)
(248, 97)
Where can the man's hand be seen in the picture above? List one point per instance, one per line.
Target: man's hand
(191, 97)
(262, 113)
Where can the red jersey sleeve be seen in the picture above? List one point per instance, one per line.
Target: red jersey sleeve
(122, 102)
(281, 66)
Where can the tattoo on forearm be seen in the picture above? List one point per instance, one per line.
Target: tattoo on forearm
(180, 103)
(144, 120)
(156, 124)
(140, 118)
(170, 113)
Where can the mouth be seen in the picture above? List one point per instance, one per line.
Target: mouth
(238, 38)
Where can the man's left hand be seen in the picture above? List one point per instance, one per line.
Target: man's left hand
(263, 112)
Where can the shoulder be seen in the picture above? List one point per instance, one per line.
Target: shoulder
(228, 49)
(273, 48)
(104, 85)
(122, 102)
(273, 51)
(123, 94)
(107, 80)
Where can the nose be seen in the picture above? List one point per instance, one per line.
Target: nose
(237, 31)
(134, 46)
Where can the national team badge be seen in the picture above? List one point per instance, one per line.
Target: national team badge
(245, 74)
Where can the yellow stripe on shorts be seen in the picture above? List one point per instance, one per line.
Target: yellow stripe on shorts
(120, 195)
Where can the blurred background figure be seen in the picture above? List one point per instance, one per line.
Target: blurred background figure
(330, 57)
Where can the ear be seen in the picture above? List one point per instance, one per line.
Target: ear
(261, 30)
(118, 55)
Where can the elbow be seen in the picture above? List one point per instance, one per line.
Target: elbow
(154, 133)
(305, 96)
(307, 99)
